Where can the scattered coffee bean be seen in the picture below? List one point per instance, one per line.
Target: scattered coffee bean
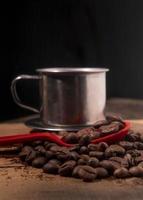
(98, 124)
(102, 146)
(40, 150)
(121, 173)
(126, 145)
(31, 156)
(97, 154)
(114, 150)
(93, 162)
(109, 165)
(87, 173)
(140, 164)
(101, 172)
(122, 161)
(83, 150)
(84, 140)
(90, 131)
(39, 162)
(93, 147)
(51, 168)
(67, 168)
(49, 155)
(109, 129)
(26, 150)
(37, 143)
(138, 145)
(74, 155)
(136, 171)
(71, 138)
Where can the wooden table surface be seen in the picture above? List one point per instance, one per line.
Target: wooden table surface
(19, 183)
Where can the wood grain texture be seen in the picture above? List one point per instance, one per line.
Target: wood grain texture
(20, 183)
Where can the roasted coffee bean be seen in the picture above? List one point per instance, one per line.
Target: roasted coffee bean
(132, 137)
(84, 140)
(138, 145)
(62, 156)
(98, 124)
(93, 147)
(51, 168)
(134, 152)
(101, 172)
(75, 171)
(136, 171)
(26, 150)
(67, 168)
(102, 146)
(39, 162)
(71, 138)
(113, 118)
(114, 150)
(87, 173)
(55, 162)
(55, 148)
(74, 155)
(82, 162)
(85, 157)
(140, 164)
(109, 129)
(93, 162)
(138, 159)
(126, 145)
(90, 131)
(37, 143)
(49, 145)
(97, 154)
(119, 124)
(83, 150)
(31, 156)
(74, 148)
(122, 161)
(49, 155)
(141, 138)
(109, 165)
(121, 173)
(40, 150)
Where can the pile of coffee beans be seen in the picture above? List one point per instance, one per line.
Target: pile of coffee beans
(85, 160)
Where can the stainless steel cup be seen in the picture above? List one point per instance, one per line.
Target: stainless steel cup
(69, 96)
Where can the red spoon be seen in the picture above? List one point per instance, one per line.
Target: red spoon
(15, 139)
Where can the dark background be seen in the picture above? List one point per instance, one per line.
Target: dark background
(81, 33)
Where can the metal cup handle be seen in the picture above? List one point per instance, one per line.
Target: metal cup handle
(15, 95)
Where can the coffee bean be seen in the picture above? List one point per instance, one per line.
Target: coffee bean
(84, 157)
(122, 161)
(119, 124)
(109, 165)
(97, 154)
(26, 150)
(49, 155)
(37, 143)
(138, 145)
(84, 140)
(74, 155)
(75, 171)
(109, 129)
(51, 168)
(55, 162)
(55, 148)
(134, 152)
(98, 124)
(93, 162)
(136, 171)
(81, 162)
(49, 145)
(71, 138)
(140, 164)
(67, 168)
(121, 173)
(40, 150)
(31, 156)
(113, 118)
(114, 150)
(132, 137)
(93, 147)
(87, 173)
(102, 146)
(126, 145)
(74, 148)
(101, 172)
(39, 162)
(90, 131)
(83, 150)
(62, 155)
(138, 159)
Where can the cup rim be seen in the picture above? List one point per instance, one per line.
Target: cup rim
(70, 70)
